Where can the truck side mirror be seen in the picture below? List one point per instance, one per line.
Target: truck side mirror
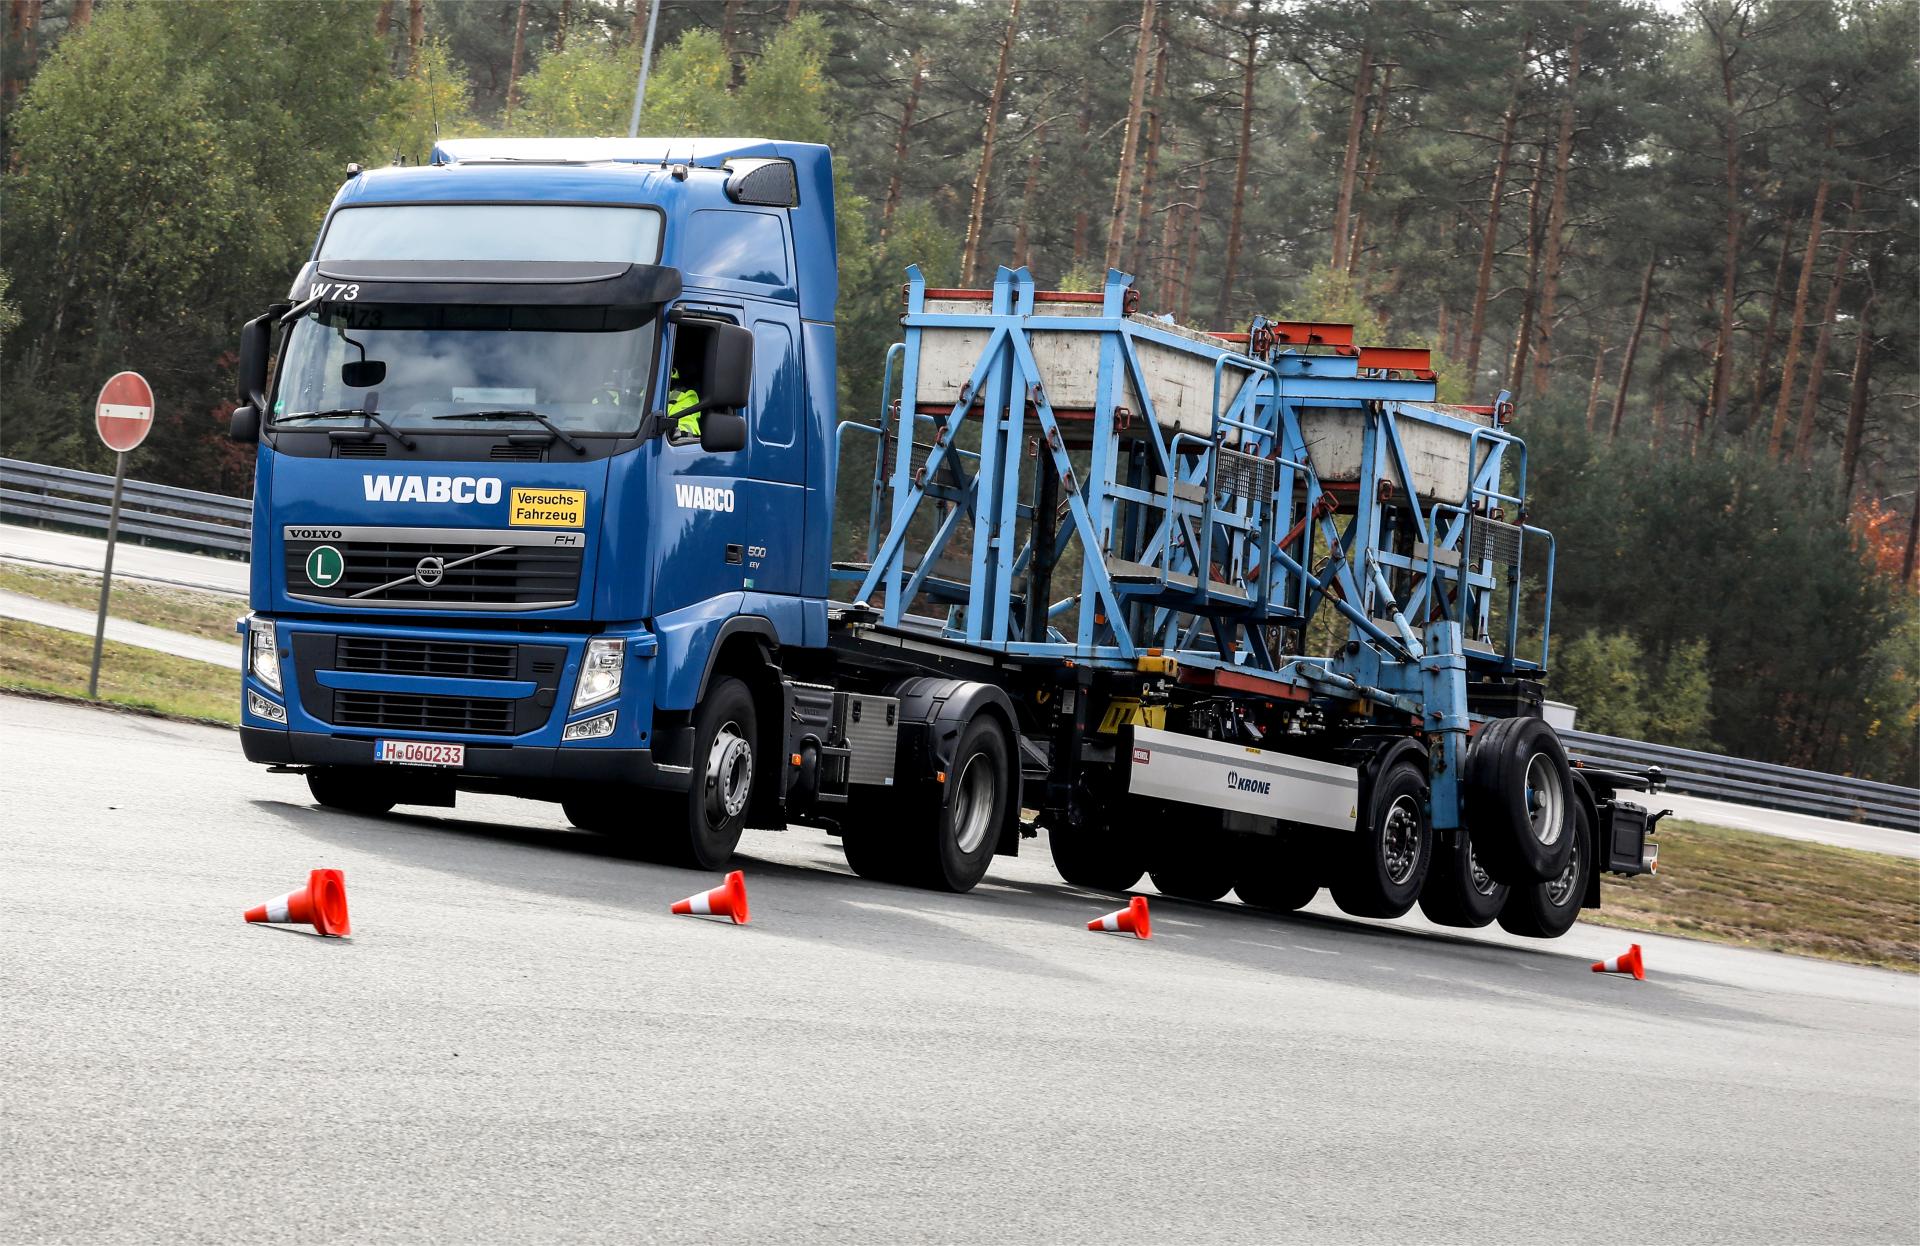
(244, 426)
(723, 431)
(728, 375)
(255, 342)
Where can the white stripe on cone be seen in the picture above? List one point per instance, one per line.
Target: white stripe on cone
(1111, 921)
(277, 909)
(700, 904)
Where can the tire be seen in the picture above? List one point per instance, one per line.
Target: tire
(1277, 873)
(701, 829)
(1520, 801)
(1548, 910)
(1386, 864)
(352, 789)
(1459, 891)
(1100, 854)
(1197, 864)
(944, 837)
(603, 813)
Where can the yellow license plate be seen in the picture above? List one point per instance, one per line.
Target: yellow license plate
(548, 508)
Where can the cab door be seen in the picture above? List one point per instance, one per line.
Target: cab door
(700, 500)
(775, 521)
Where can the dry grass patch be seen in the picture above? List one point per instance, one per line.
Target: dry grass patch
(51, 662)
(1781, 894)
(177, 609)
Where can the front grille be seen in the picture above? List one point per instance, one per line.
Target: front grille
(482, 571)
(517, 454)
(360, 450)
(457, 659)
(401, 711)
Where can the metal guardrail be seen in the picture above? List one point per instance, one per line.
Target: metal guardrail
(61, 495)
(215, 522)
(1756, 782)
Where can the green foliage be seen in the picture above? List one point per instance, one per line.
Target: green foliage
(1679, 707)
(9, 312)
(433, 99)
(1602, 675)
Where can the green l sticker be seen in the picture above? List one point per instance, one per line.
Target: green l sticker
(325, 566)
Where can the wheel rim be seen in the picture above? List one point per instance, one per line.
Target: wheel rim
(729, 777)
(973, 804)
(1546, 802)
(1400, 840)
(1477, 876)
(1560, 888)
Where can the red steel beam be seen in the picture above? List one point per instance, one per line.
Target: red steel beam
(1397, 359)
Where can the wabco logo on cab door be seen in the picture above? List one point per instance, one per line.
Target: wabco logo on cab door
(1259, 787)
(460, 489)
(701, 498)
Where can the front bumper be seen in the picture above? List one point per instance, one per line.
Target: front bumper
(492, 761)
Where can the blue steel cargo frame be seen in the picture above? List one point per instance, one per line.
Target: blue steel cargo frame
(1217, 548)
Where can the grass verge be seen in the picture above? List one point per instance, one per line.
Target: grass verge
(176, 609)
(1780, 894)
(50, 662)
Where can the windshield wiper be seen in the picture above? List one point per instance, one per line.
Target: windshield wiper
(363, 412)
(576, 446)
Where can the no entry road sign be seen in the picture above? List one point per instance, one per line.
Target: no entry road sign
(124, 412)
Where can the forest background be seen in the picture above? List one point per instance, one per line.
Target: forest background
(1683, 235)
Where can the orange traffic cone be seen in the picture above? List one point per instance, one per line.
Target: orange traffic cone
(728, 900)
(322, 904)
(1630, 963)
(1131, 920)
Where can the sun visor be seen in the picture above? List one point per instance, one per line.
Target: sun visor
(537, 283)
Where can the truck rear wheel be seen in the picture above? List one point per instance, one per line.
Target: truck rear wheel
(701, 829)
(1519, 801)
(1276, 872)
(1386, 862)
(352, 789)
(1548, 910)
(1099, 855)
(1459, 891)
(1195, 863)
(943, 835)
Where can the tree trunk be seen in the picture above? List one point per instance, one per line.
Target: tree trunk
(519, 50)
(1123, 183)
(1222, 307)
(1913, 539)
(382, 21)
(416, 31)
(900, 144)
(1350, 165)
(1792, 361)
(1083, 219)
(1490, 242)
(1190, 247)
(82, 14)
(1773, 315)
(1718, 388)
(1633, 348)
(729, 27)
(793, 9)
(1373, 170)
(1857, 401)
(1029, 193)
(1144, 221)
(560, 31)
(1593, 387)
(1557, 214)
(1659, 414)
(1816, 370)
(1523, 340)
(976, 214)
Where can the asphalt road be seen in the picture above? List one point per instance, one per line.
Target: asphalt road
(520, 1043)
(20, 543)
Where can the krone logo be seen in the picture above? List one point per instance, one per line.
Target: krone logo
(325, 566)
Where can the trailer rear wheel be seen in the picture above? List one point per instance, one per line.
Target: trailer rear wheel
(1277, 872)
(1459, 891)
(1548, 910)
(1099, 855)
(352, 790)
(1519, 801)
(1387, 860)
(1196, 863)
(701, 829)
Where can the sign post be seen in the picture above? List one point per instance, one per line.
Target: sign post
(123, 414)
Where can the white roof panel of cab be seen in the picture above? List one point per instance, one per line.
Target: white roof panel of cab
(596, 150)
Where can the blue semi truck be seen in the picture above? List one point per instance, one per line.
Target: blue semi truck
(1247, 612)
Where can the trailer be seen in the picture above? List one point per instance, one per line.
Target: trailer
(1247, 612)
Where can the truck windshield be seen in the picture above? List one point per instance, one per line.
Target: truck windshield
(584, 369)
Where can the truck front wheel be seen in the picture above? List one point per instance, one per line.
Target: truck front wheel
(351, 789)
(701, 829)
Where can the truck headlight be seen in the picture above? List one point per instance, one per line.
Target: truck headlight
(265, 707)
(600, 671)
(263, 657)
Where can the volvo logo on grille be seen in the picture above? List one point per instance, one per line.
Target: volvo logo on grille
(429, 571)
